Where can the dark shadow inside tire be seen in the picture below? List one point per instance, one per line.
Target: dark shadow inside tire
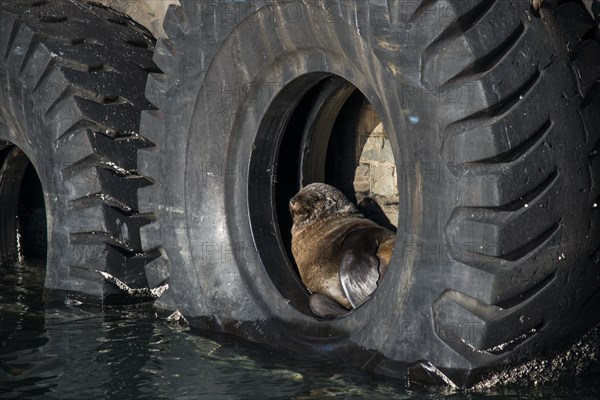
(23, 214)
(317, 130)
(32, 216)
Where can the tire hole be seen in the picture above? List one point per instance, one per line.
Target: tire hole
(320, 128)
(23, 235)
(32, 216)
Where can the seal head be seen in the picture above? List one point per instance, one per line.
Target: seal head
(317, 202)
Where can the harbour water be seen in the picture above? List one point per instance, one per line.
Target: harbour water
(78, 352)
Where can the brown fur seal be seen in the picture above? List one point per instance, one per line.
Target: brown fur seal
(340, 254)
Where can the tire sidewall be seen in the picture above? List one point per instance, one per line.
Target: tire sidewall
(221, 207)
(24, 128)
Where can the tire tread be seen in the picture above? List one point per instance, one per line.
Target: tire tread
(516, 280)
(89, 100)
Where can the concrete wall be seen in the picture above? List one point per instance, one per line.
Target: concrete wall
(149, 13)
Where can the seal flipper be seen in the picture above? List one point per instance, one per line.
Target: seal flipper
(325, 306)
(359, 267)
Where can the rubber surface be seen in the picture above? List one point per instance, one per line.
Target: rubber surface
(73, 76)
(493, 114)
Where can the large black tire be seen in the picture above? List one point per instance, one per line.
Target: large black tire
(73, 76)
(493, 113)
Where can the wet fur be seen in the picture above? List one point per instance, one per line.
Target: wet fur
(323, 217)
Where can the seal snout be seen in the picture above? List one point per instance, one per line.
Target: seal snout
(294, 205)
(300, 208)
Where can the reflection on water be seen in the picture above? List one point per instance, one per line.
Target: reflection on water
(128, 352)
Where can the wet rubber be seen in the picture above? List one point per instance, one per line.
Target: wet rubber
(493, 113)
(73, 76)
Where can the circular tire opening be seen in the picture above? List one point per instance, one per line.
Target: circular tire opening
(319, 128)
(23, 234)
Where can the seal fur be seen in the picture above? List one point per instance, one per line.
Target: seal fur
(330, 235)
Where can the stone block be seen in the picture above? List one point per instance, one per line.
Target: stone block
(362, 178)
(383, 180)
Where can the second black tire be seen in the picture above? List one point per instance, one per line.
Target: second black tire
(493, 115)
(73, 76)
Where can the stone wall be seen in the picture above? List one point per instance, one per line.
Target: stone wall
(361, 162)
